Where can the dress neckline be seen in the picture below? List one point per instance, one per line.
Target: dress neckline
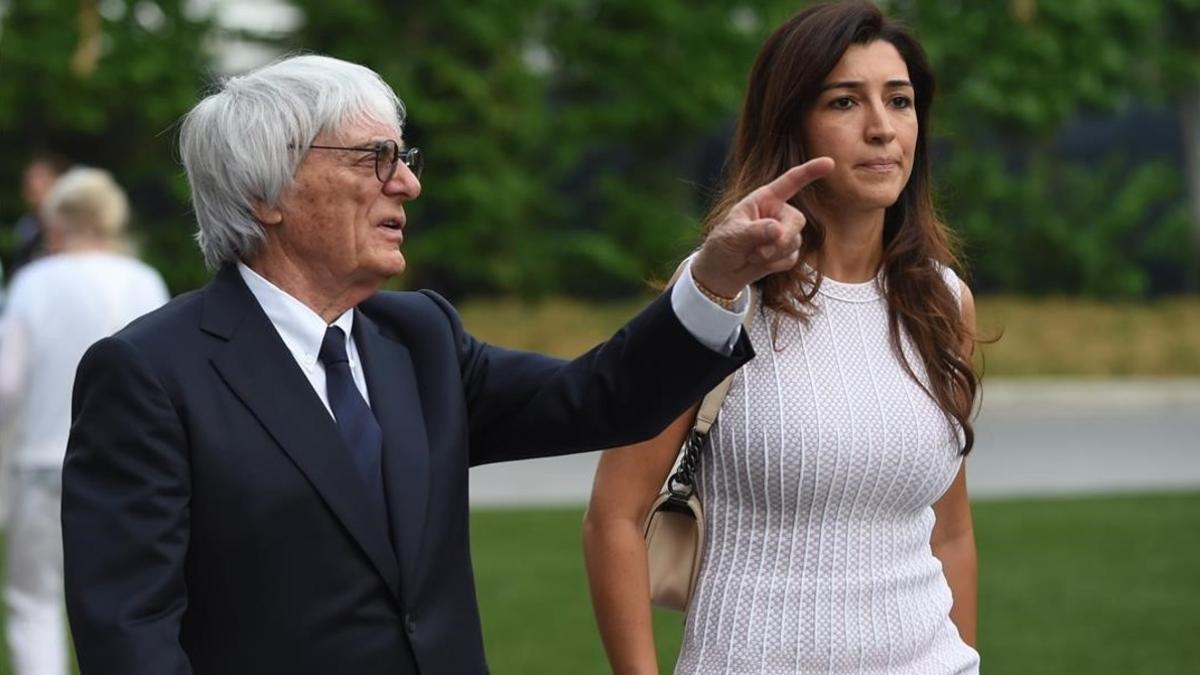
(862, 291)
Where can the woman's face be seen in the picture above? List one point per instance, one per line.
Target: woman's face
(864, 118)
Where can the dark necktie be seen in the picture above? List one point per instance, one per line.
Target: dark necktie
(355, 420)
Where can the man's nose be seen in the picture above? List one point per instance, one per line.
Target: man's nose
(404, 184)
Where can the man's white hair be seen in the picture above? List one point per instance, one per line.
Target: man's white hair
(241, 145)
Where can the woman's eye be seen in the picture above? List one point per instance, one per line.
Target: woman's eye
(842, 103)
(901, 102)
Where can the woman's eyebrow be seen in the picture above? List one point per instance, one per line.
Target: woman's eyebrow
(859, 84)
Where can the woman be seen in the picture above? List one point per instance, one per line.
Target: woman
(838, 533)
(59, 305)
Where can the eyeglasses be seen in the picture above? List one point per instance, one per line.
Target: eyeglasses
(387, 156)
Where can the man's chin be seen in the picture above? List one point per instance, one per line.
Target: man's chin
(392, 267)
(399, 265)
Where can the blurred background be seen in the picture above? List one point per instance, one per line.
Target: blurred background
(572, 146)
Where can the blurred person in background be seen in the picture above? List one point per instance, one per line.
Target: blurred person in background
(27, 236)
(269, 475)
(838, 535)
(85, 288)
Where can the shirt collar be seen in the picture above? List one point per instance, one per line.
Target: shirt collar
(301, 329)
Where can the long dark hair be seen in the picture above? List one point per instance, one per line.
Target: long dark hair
(784, 84)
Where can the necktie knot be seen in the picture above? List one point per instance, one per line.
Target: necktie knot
(333, 347)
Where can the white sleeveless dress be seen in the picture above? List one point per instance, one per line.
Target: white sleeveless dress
(817, 488)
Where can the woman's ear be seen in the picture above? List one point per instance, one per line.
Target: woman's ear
(266, 214)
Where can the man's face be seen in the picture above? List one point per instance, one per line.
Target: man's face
(38, 179)
(338, 221)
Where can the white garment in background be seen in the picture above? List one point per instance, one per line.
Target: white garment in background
(57, 307)
(36, 627)
(817, 488)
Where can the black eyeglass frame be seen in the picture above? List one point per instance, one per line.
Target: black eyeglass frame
(385, 169)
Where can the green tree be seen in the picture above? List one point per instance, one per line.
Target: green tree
(569, 142)
(561, 133)
(106, 89)
(1012, 76)
(479, 110)
(564, 134)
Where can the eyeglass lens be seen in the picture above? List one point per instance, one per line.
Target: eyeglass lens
(388, 155)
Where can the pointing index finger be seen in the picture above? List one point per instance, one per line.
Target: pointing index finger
(796, 178)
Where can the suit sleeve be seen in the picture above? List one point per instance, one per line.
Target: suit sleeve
(625, 390)
(126, 488)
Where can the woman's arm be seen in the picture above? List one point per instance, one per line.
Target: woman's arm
(953, 539)
(627, 481)
(953, 543)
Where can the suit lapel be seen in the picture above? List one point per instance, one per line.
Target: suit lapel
(257, 366)
(396, 402)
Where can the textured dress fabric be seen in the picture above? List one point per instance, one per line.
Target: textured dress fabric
(818, 487)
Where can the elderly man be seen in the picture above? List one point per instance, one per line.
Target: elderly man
(269, 475)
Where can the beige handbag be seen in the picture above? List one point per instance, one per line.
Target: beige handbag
(674, 526)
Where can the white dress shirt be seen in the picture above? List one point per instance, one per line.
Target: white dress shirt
(303, 330)
(714, 326)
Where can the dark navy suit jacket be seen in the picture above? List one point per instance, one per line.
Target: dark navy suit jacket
(213, 521)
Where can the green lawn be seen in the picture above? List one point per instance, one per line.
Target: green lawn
(1068, 586)
(1037, 336)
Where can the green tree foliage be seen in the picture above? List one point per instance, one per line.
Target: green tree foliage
(1011, 76)
(106, 89)
(1063, 227)
(559, 133)
(572, 144)
(564, 135)
(480, 114)
(639, 87)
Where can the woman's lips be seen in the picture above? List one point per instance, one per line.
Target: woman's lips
(879, 165)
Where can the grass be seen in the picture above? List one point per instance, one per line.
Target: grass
(1059, 336)
(1067, 586)
(1091, 586)
(1039, 337)
(1096, 585)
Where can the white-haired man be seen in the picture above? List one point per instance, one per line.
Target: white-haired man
(269, 475)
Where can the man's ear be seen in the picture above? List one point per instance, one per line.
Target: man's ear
(267, 214)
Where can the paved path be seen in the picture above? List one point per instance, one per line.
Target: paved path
(1035, 437)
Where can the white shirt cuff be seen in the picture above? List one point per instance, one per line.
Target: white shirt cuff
(714, 326)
